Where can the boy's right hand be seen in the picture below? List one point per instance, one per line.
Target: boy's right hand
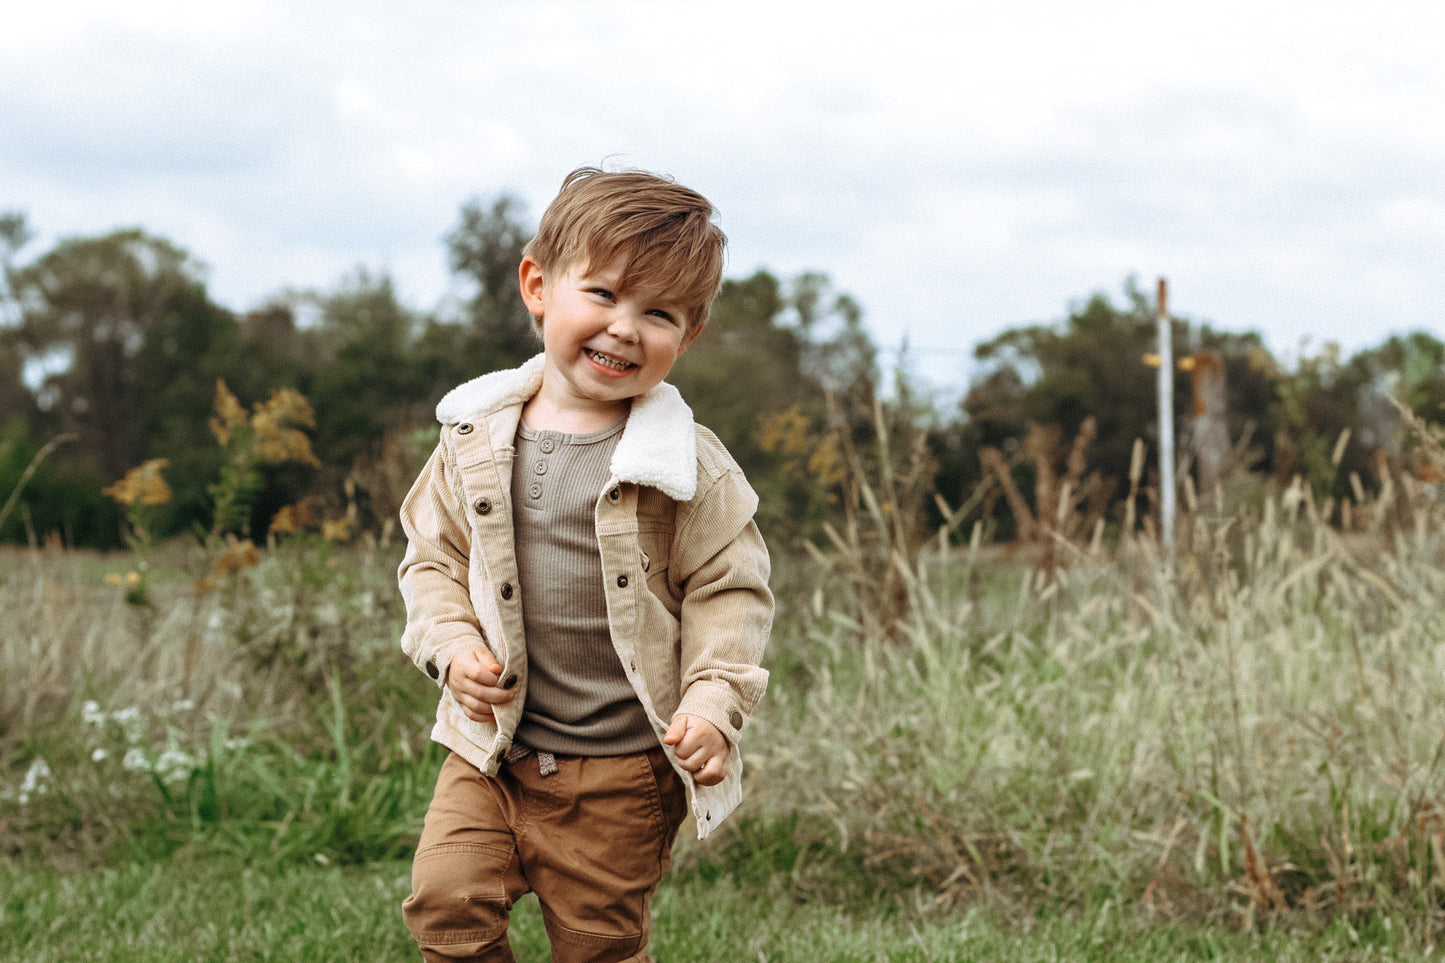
(473, 678)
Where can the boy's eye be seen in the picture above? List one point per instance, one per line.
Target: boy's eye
(603, 293)
(664, 315)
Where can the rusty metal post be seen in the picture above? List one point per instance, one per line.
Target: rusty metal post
(1211, 431)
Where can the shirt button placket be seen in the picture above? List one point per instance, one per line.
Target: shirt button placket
(546, 446)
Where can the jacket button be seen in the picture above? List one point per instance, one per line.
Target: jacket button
(615, 494)
(736, 719)
(622, 581)
(510, 682)
(482, 506)
(464, 429)
(507, 591)
(432, 670)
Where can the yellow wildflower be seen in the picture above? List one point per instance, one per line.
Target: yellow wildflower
(275, 441)
(229, 414)
(336, 531)
(826, 464)
(142, 485)
(290, 407)
(283, 522)
(241, 554)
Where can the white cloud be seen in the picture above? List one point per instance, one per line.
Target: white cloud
(960, 169)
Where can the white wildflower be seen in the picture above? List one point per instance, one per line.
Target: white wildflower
(131, 723)
(136, 761)
(36, 781)
(91, 715)
(174, 765)
(99, 755)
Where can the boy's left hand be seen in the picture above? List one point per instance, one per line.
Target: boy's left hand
(700, 746)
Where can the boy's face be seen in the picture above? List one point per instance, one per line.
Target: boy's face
(603, 348)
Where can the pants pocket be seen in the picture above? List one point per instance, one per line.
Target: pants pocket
(459, 896)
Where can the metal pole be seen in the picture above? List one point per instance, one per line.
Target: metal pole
(1166, 427)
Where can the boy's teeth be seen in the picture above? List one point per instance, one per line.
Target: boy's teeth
(609, 361)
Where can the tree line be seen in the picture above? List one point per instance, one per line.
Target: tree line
(113, 353)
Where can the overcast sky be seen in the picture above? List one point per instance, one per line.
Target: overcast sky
(960, 168)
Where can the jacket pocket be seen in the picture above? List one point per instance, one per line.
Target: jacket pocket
(480, 734)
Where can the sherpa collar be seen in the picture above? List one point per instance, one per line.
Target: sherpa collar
(658, 446)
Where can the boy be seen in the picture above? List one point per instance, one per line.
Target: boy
(585, 582)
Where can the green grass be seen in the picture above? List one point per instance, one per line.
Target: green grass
(223, 910)
(1242, 762)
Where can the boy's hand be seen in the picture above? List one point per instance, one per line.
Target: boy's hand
(473, 677)
(700, 746)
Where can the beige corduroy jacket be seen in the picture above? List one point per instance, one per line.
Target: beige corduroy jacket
(686, 571)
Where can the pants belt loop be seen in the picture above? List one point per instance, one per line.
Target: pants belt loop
(546, 763)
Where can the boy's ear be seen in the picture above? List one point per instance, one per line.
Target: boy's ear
(690, 337)
(533, 285)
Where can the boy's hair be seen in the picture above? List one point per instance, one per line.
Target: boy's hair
(661, 230)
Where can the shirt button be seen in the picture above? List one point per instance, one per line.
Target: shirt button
(535, 489)
(548, 445)
(540, 468)
(482, 506)
(507, 591)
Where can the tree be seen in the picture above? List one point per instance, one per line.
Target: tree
(15, 397)
(369, 383)
(758, 377)
(91, 302)
(183, 353)
(838, 352)
(1091, 366)
(743, 366)
(1409, 368)
(486, 248)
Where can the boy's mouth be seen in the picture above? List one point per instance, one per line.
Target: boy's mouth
(607, 361)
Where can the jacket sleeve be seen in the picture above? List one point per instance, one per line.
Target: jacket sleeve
(727, 608)
(434, 573)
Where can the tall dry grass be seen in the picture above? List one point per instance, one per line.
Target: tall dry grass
(272, 708)
(1255, 736)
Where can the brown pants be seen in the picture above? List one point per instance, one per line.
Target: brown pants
(592, 840)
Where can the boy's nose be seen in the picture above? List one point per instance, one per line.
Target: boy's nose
(623, 326)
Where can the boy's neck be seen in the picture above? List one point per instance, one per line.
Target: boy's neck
(542, 413)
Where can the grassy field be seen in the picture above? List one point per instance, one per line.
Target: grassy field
(220, 910)
(970, 759)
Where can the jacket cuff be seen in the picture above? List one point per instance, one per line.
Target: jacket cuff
(439, 658)
(717, 703)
